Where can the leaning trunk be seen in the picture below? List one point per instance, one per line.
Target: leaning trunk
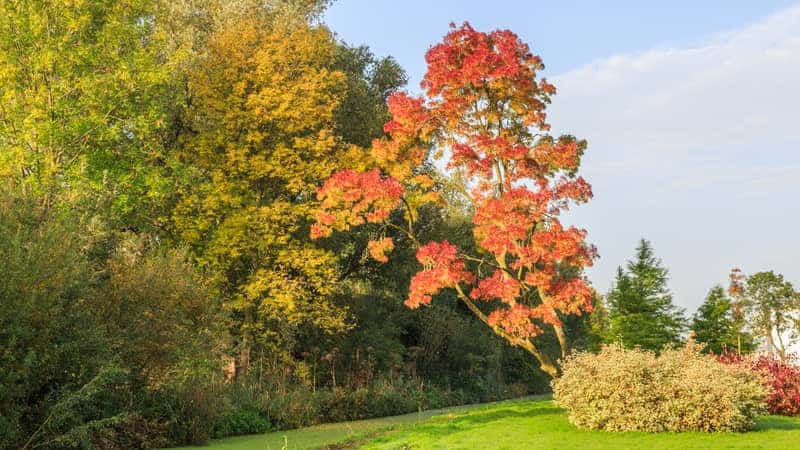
(562, 340)
(546, 363)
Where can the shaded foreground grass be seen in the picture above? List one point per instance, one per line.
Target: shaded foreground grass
(320, 436)
(516, 424)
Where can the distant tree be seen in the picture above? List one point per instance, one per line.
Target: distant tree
(370, 80)
(773, 309)
(641, 312)
(714, 325)
(736, 293)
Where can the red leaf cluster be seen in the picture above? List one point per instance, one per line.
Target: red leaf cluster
(498, 61)
(782, 378)
(499, 285)
(516, 320)
(442, 268)
(349, 198)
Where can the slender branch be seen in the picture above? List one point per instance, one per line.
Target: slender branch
(410, 215)
(404, 231)
(84, 136)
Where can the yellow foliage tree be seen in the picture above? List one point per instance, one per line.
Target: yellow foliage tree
(257, 139)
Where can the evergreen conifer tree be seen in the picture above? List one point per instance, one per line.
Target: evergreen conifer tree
(714, 326)
(641, 312)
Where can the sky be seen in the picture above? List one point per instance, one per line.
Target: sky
(689, 108)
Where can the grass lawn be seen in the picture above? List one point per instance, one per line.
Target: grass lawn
(330, 433)
(530, 423)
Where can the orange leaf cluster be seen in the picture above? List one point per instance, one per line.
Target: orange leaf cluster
(379, 248)
(409, 125)
(442, 268)
(349, 198)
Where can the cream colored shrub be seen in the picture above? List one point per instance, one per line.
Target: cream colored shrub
(679, 390)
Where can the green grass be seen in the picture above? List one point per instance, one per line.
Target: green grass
(327, 434)
(519, 424)
(539, 424)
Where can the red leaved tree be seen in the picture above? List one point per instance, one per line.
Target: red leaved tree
(482, 110)
(781, 376)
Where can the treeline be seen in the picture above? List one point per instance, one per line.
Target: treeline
(756, 312)
(158, 286)
(159, 168)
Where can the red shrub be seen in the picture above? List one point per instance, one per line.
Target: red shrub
(782, 378)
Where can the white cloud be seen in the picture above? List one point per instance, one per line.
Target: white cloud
(669, 107)
(695, 148)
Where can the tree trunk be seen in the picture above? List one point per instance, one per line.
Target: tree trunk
(781, 348)
(546, 363)
(562, 340)
(245, 345)
(770, 341)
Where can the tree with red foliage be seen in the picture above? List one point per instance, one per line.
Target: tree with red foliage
(482, 108)
(782, 377)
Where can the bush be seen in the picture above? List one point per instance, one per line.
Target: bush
(782, 378)
(297, 406)
(107, 339)
(679, 390)
(238, 422)
(51, 342)
(185, 408)
(302, 407)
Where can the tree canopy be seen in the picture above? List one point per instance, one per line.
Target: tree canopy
(773, 310)
(482, 102)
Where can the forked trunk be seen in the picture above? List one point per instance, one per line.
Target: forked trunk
(562, 340)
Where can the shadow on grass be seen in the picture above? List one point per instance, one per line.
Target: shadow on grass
(777, 423)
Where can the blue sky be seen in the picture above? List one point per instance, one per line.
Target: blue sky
(689, 109)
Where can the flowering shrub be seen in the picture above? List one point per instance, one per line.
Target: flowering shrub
(679, 390)
(782, 379)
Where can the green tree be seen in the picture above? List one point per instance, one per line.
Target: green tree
(362, 113)
(641, 312)
(714, 325)
(83, 92)
(597, 324)
(773, 310)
